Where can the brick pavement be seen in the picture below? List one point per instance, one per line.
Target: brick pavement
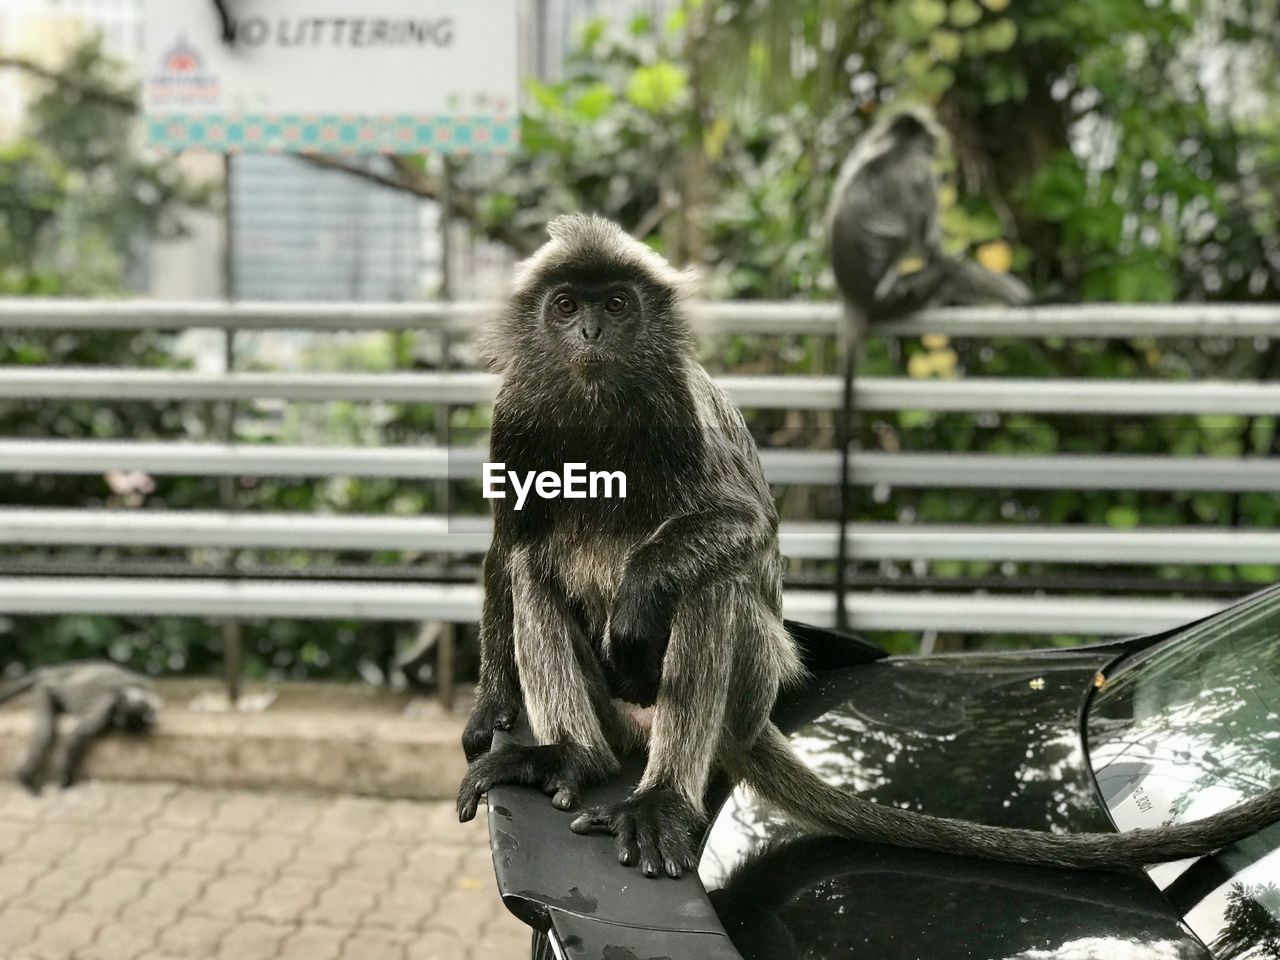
(155, 872)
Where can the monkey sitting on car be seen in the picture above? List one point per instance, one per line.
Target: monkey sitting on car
(100, 696)
(656, 620)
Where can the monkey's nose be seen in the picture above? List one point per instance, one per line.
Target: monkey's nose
(591, 331)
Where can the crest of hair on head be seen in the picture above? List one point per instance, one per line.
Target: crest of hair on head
(921, 113)
(577, 240)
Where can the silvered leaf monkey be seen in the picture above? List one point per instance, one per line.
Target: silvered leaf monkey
(886, 253)
(655, 620)
(99, 696)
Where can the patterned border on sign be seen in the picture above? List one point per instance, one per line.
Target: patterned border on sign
(333, 134)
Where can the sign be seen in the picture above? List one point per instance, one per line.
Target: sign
(332, 76)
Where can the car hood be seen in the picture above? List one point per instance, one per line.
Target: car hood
(994, 739)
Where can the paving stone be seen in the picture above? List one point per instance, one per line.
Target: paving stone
(465, 911)
(57, 887)
(103, 847)
(382, 857)
(323, 854)
(64, 935)
(46, 846)
(293, 817)
(131, 803)
(434, 944)
(159, 847)
(229, 896)
(112, 891)
(16, 878)
(241, 812)
(211, 852)
(367, 944)
(311, 942)
(263, 855)
(12, 835)
(168, 894)
(343, 903)
(254, 939)
(193, 936)
(19, 926)
(285, 900)
(192, 809)
(514, 943)
(433, 866)
(119, 941)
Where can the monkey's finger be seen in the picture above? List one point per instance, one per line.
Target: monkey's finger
(566, 798)
(650, 857)
(469, 800)
(624, 841)
(594, 820)
(677, 857)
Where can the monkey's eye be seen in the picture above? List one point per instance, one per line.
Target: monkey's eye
(616, 304)
(565, 305)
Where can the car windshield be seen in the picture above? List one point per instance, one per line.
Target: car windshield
(1187, 728)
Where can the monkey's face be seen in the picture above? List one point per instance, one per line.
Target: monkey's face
(591, 326)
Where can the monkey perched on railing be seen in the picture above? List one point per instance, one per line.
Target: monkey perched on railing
(99, 695)
(886, 253)
(884, 221)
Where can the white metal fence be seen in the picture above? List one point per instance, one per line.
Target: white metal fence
(463, 536)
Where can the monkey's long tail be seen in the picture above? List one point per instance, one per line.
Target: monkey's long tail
(19, 687)
(972, 283)
(779, 776)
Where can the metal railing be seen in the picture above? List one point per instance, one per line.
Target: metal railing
(225, 596)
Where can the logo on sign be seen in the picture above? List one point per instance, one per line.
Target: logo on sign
(182, 79)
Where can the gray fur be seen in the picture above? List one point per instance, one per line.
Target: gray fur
(568, 594)
(99, 696)
(884, 209)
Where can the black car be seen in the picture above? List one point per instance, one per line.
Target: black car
(1135, 733)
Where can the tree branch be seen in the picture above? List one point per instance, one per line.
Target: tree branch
(409, 179)
(113, 98)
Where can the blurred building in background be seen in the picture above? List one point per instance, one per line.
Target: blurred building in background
(298, 232)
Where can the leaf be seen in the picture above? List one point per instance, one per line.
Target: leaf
(656, 88)
(946, 45)
(1123, 518)
(927, 14)
(1000, 36)
(965, 13)
(593, 102)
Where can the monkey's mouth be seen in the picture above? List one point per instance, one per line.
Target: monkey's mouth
(591, 357)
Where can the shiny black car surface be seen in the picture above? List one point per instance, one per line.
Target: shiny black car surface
(1133, 733)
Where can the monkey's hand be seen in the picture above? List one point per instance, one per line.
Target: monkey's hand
(558, 770)
(639, 629)
(486, 717)
(654, 828)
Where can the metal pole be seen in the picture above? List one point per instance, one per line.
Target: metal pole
(446, 647)
(232, 640)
